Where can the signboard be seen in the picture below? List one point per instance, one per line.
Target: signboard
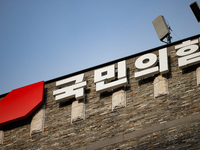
(20, 103)
(148, 65)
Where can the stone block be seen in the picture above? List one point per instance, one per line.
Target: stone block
(118, 99)
(198, 75)
(1, 137)
(78, 110)
(160, 86)
(37, 123)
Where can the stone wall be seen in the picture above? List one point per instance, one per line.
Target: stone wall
(136, 116)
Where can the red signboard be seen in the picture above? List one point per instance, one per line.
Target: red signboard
(21, 102)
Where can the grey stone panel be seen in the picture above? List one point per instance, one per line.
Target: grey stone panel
(198, 75)
(118, 99)
(78, 110)
(160, 86)
(37, 123)
(1, 136)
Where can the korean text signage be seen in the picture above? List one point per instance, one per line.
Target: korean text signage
(147, 65)
(20, 103)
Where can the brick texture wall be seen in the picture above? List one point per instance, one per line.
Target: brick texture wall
(169, 121)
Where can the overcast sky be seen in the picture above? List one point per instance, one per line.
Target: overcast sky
(45, 39)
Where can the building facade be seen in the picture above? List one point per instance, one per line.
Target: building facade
(150, 100)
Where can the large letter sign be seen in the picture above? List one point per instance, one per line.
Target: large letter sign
(107, 74)
(21, 103)
(188, 53)
(71, 91)
(147, 64)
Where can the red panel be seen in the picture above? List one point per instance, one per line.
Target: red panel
(21, 102)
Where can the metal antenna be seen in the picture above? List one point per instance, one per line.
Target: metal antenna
(175, 34)
(171, 29)
(162, 29)
(168, 36)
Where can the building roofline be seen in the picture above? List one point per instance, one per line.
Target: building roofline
(120, 59)
(115, 61)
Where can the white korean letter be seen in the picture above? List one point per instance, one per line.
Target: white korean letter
(107, 74)
(76, 90)
(147, 64)
(188, 53)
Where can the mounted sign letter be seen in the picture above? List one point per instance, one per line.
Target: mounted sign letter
(108, 73)
(147, 64)
(76, 90)
(21, 103)
(188, 53)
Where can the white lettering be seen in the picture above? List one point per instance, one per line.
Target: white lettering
(76, 90)
(108, 74)
(188, 53)
(149, 62)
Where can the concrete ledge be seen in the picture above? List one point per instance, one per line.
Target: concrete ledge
(142, 132)
(106, 142)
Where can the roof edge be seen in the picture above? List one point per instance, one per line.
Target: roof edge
(114, 61)
(120, 59)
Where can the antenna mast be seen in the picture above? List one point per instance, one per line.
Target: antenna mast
(162, 29)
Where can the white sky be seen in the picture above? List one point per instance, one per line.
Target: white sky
(42, 40)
